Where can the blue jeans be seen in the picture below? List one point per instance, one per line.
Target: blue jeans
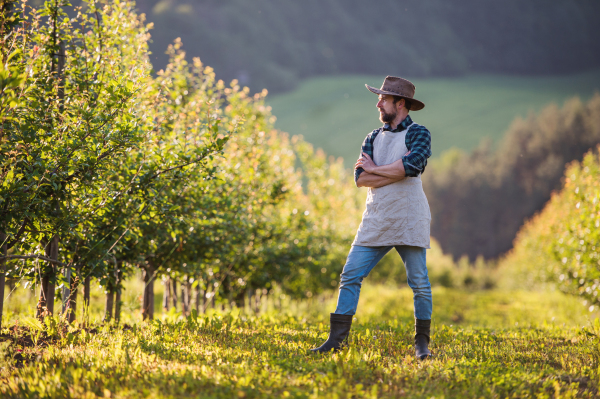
(360, 262)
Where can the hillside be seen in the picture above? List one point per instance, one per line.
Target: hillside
(275, 44)
(336, 113)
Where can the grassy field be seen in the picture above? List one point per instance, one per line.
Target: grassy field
(486, 344)
(336, 113)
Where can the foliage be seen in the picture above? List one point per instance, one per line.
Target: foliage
(480, 200)
(79, 116)
(11, 77)
(564, 238)
(236, 354)
(578, 244)
(274, 44)
(107, 169)
(76, 112)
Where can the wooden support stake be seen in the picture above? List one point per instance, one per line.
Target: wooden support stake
(2, 274)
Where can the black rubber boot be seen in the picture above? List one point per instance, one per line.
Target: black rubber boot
(422, 331)
(338, 333)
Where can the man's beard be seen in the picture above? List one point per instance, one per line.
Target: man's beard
(387, 118)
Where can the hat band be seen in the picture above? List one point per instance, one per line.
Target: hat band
(395, 92)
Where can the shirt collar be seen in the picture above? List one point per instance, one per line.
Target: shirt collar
(401, 126)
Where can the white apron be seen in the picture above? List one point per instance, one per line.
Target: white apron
(396, 214)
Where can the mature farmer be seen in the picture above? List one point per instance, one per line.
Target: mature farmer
(392, 159)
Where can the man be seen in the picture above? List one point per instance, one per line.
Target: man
(393, 157)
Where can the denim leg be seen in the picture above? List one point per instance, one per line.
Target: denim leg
(414, 259)
(359, 264)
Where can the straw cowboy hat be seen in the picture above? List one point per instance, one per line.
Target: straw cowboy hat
(395, 86)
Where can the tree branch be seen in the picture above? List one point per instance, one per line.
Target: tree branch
(12, 243)
(40, 257)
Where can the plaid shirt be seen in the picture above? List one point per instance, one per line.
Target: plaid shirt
(418, 142)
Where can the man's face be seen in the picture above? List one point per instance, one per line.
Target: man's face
(387, 109)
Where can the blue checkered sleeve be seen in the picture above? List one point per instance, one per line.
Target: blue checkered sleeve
(367, 148)
(418, 142)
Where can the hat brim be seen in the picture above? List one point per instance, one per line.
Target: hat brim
(415, 105)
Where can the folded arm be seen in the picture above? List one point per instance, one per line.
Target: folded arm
(412, 164)
(394, 170)
(378, 176)
(367, 179)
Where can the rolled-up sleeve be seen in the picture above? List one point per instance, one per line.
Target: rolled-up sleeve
(357, 173)
(367, 148)
(418, 142)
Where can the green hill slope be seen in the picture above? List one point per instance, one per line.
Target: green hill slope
(336, 113)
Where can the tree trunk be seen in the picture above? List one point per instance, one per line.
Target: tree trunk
(226, 287)
(118, 305)
(111, 289)
(118, 302)
(86, 298)
(148, 301)
(45, 305)
(248, 300)
(238, 299)
(46, 301)
(41, 310)
(209, 296)
(66, 292)
(174, 292)
(257, 301)
(72, 300)
(2, 274)
(110, 301)
(199, 296)
(185, 296)
(72, 305)
(165, 302)
(61, 82)
(52, 280)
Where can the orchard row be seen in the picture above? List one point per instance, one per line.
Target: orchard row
(107, 168)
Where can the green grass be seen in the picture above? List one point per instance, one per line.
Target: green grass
(480, 351)
(336, 113)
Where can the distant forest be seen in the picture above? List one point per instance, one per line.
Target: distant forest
(274, 43)
(480, 200)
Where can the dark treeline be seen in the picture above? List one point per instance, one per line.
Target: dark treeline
(480, 200)
(268, 43)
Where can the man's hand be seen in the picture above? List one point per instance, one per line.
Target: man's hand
(366, 163)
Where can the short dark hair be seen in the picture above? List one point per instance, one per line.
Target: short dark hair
(407, 103)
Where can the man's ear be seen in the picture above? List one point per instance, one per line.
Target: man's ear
(400, 104)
